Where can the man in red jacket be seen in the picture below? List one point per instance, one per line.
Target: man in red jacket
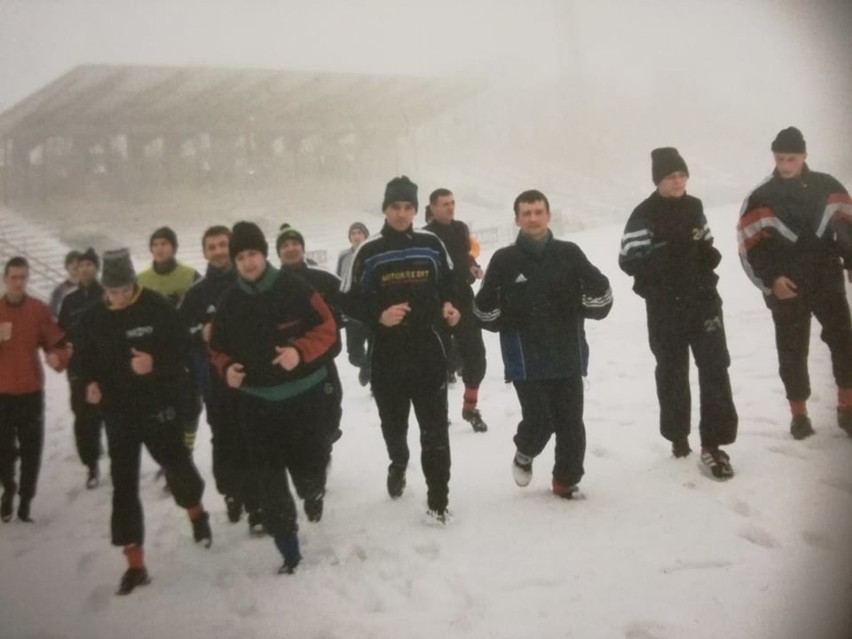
(26, 325)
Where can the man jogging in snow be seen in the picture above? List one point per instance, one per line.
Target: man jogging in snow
(235, 478)
(88, 422)
(290, 245)
(26, 325)
(400, 285)
(132, 358)
(795, 239)
(668, 248)
(357, 334)
(467, 334)
(535, 293)
(272, 338)
(172, 280)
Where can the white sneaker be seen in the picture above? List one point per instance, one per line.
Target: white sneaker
(522, 469)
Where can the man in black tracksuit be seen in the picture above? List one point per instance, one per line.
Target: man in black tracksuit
(795, 239)
(88, 421)
(467, 334)
(132, 357)
(232, 469)
(400, 285)
(668, 248)
(272, 338)
(290, 246)
(536, 293)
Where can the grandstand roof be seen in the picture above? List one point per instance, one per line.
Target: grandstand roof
(111, 99)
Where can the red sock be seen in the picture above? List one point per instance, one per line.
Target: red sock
(844, 396)
(135, 556)
(798, 408)
(471, 396)
(196, 511)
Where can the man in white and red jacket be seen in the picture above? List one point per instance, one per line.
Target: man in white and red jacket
(795, 240)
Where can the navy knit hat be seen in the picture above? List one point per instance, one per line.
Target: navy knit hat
(247, 236)
(789, 140)
(90, 256)
(665, 161)
(164, 233)
(287, 232)
(400, 189)
(118, 269)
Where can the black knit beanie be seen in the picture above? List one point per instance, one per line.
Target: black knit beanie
(90, 256)
(72, 256)
(247, 236)
(118, 269)
(665, 161)
(164, 233)
(789, 140)
(287, 232)
(360, 227)
(400, 189)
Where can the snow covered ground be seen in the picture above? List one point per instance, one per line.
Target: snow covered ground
(656, 550)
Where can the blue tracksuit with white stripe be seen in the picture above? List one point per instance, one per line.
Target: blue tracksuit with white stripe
(535, 293)
(668, 248)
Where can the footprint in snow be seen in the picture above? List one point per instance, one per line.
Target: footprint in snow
(84, 564)
(818, 539)
(787, 451)
(644, 630)
(100, 598)
(759, 537)
(743, 508)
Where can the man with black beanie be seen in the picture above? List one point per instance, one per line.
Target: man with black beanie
(272, 338)
(290, 245)
(668, 248)
(400, 285)
(795, 240)
(166, 275)
(88, 421)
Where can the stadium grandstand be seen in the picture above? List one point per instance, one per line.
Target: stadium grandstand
(104, 154)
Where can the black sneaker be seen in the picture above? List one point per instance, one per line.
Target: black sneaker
(94, 478)
(24, 511)
(7, 505)
(289, 549)
(257, 523)
(800, 427)
(364, 375)
(680, 447)
(396, 480)
(234, 508)
(522, 469)
(201, 530)
(313, 507)
(472, 415)
(844, 418)
(131, 578)
(718, 462)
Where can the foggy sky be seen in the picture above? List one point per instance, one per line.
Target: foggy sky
(717, 79)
